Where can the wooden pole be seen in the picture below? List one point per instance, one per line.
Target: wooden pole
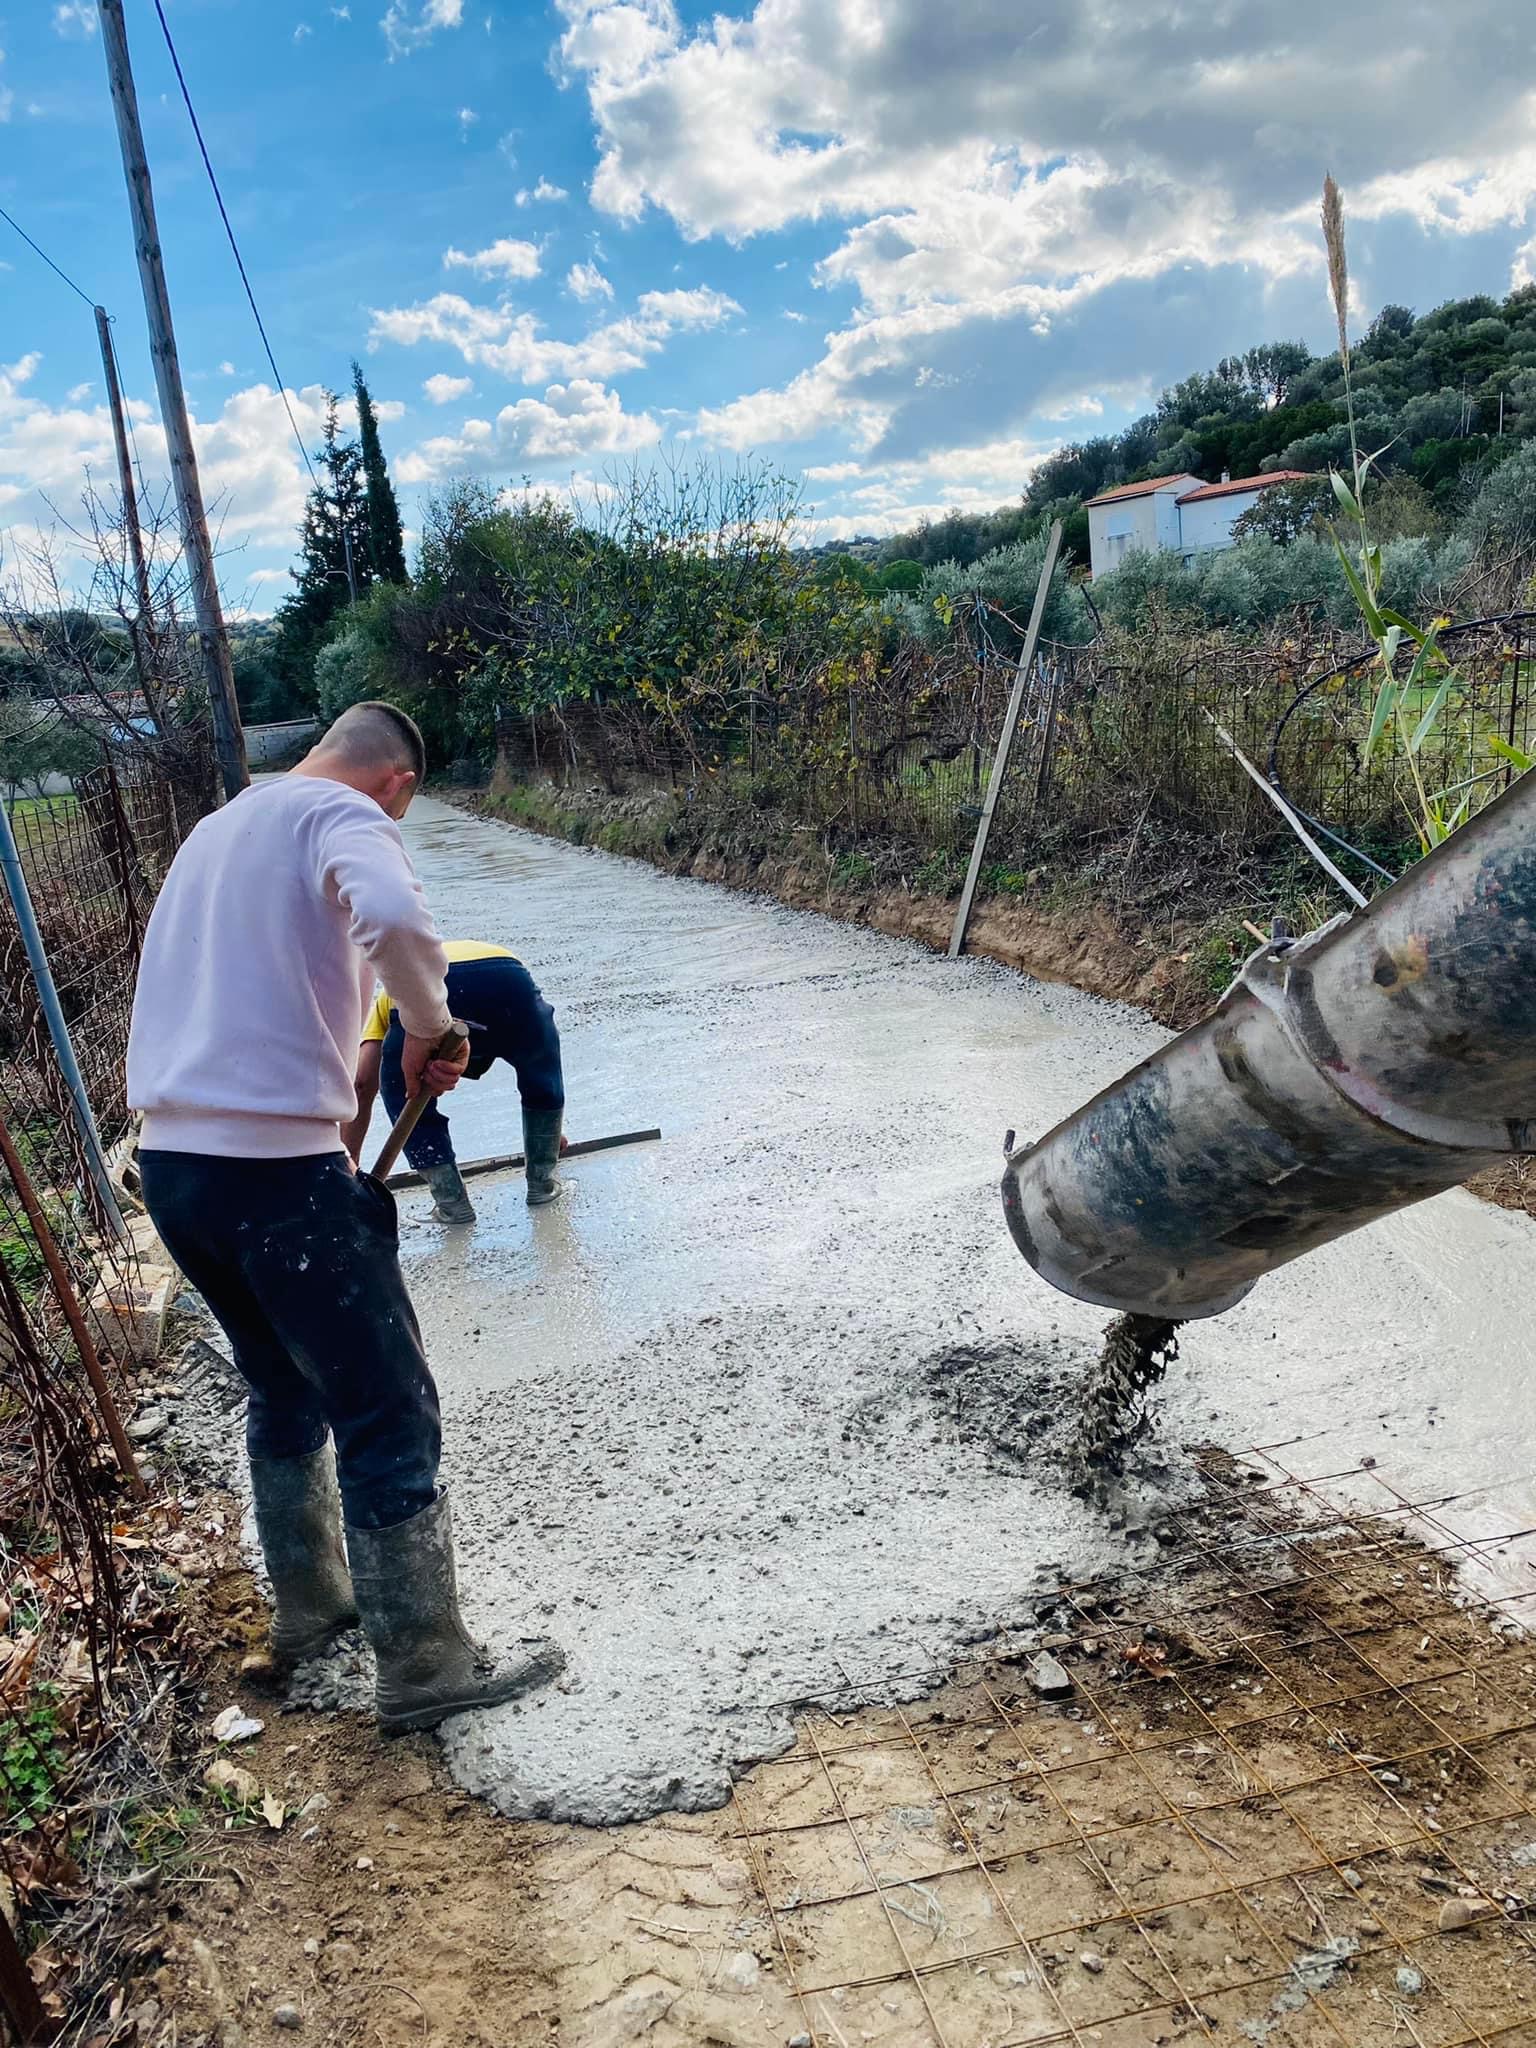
(447, 1048)
(69, 1301)
(143, 630)
(124, 465)
(1005, 742)
(229, 741)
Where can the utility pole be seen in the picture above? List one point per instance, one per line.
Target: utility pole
(229, 741)
(144, 631)
(346, 548)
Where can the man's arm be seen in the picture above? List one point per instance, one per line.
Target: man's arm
(364, 861)
(353, 1134)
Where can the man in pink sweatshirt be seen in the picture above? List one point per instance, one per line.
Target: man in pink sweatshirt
(278, 915)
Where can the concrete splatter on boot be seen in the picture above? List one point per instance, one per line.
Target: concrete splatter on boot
(429, 1664)
(450, 1199)
(541, 1149)
(298, 1519)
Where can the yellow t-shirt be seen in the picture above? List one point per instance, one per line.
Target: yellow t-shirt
(376, 1026)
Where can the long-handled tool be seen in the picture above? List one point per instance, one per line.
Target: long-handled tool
(502, 1162)
(447, 1048)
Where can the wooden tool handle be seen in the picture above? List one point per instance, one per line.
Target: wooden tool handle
(446, 1049)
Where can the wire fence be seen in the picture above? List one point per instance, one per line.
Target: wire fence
(1121, 733)
(75, 1306)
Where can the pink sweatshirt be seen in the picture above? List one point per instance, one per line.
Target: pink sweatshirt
(259, 961)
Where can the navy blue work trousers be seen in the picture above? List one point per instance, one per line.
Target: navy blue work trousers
(298, 1259)
(499, 1001)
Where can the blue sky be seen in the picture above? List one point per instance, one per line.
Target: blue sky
(900, 250)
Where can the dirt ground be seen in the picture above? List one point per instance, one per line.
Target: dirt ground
(1284, 1792)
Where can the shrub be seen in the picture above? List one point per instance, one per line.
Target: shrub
(344, 673)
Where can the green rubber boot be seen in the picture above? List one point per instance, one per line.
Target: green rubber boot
(298, 1519)
(541, 1150)
(450, 1199)
(429, 1664)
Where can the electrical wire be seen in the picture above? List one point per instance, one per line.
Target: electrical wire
(282, 388)
(47, 259)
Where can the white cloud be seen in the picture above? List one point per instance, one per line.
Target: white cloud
(341, 14)
(410, 23)
(1004, 179)
(495, 338)
(506, 258)
(303, 32)
(443, 390)
(544, 190)
(798, 318)
(586, 282)
(252, 476)
(467, 119)
(581, 418)
(7, 97)
(226, 369)
(75, 18)
(79, 393)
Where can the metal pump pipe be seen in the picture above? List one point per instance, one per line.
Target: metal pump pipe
(1387, 1056)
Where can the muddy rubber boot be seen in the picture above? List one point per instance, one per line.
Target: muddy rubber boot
(429, 1664)
(450, 1201)
(541, 1150)
(298, 1519)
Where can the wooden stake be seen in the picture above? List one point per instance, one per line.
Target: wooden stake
(229, 741)
(69, 1301)
(1005, 742)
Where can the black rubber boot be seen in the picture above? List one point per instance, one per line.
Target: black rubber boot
(450, 1201)
(298, 1518)
(541, 1150)
(429, 1664)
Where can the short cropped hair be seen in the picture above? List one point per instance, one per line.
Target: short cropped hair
(377, 735)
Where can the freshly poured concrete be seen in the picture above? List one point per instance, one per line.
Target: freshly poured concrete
(693, 1422)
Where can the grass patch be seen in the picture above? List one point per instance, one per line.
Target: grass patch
(941, 874)
(32, 1758)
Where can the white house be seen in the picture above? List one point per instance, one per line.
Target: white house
(1172, 512)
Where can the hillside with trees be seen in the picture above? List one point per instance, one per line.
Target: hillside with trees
(1445, 396)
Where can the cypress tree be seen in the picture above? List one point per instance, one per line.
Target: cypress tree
(335, 513)
(386, 542)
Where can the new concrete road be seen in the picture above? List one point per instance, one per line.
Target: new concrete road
(769, 1406)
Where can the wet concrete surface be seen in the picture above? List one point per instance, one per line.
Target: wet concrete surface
(699, 1422)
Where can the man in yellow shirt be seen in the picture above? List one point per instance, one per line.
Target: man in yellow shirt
(497, 1001)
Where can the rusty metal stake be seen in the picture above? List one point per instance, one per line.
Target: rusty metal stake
(69, 1301)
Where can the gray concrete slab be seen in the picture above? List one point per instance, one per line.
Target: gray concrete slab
(694, 1423)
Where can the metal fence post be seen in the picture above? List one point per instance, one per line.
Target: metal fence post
(58, 1031)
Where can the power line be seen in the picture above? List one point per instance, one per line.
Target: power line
(234, 245)
(47, 259)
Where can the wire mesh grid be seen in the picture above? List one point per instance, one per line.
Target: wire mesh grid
(1288, 1746)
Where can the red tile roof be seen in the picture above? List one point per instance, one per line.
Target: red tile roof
(1247, 483)
(1153, 483)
